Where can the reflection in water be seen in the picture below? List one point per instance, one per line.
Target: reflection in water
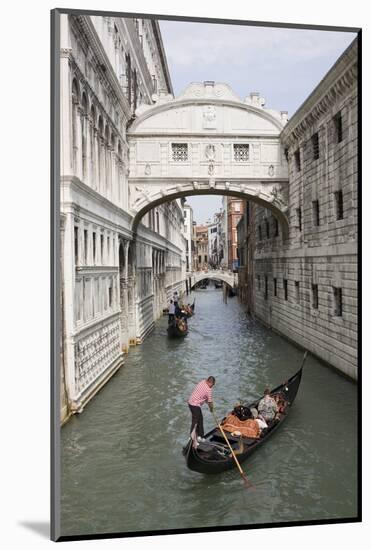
(122, 467)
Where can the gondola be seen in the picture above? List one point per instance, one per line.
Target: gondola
(213, 455)
(177, 328)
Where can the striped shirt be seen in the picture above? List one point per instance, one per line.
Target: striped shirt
(201, 394)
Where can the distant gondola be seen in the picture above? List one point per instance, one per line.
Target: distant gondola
(177, 328)
(213, 455)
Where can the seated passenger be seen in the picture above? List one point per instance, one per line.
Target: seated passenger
(267, 407)
(281, 405)
(259, 419)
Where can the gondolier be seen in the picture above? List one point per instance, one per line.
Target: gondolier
(203, 393)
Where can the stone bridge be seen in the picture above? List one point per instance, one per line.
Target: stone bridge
(207, 141)
(216, 274)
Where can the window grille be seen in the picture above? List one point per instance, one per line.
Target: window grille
(339, 205)
(297, 291)
(275, 286)
(315, 296)
(315, 206)
(298, 215)
(285, 288)
(297, 160)
(338, 127)
(315, 146)
(338, 301)
(241, 152)
(86, 246)
(179, 152)
(276, 227)
(267, 228)
(76, 239)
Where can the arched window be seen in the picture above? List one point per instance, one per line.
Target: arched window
(84, 106)
(107, 175)
(100, 153)
(75, 102)
(93, 160)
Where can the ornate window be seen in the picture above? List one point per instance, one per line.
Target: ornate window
(179, 152)
(241, 152)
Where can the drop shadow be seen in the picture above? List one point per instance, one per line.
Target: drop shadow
(40, 527)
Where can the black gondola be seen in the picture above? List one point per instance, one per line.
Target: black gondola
(177, 328)
(213, 455)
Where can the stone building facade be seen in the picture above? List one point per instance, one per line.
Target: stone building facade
(305, 286)
(233, 208)
(202, 247)
(114, 283)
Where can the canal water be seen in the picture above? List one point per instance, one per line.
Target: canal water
(122, 463)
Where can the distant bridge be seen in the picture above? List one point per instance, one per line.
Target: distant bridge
(217, 274)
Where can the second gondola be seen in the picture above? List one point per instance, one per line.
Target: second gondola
(177, 328)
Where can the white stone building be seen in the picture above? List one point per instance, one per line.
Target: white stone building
(115, 278)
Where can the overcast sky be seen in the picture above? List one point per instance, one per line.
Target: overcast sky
(284, 65)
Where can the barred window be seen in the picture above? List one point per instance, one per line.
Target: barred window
(315, 210)
(265, 287)
(275, 286)
(338, 301)
(338, 123)
(285, 289)
(297, 291)
(339, 205)
(297, 160)
(179, 152)
(315, 296)
(267, 228)
(76, 241)
(241, 152)
(315, 146)
(276, 227)
(299, 218)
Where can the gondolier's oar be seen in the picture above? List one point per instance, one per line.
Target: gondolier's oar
(243, 475)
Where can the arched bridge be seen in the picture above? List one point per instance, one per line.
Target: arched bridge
(215, 274)
(207, 141)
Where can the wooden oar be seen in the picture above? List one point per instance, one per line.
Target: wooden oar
(243, 475)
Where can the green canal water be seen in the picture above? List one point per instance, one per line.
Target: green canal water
(122, 463)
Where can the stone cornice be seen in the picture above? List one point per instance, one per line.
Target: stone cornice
(341, 78)
(184, 102)
(77, 185)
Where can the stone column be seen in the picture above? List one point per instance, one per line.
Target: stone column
(114, 176)
(78, 145)
(68, 282)
(89, 150)
(103, 186)
(96, 159)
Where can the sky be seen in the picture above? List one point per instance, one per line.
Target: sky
(284, 65)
